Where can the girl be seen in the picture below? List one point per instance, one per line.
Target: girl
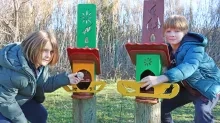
(24, 78)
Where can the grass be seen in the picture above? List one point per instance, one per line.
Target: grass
(111, 108)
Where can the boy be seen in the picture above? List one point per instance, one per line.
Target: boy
(195, 71)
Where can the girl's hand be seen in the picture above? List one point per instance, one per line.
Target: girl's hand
(150, 81)
(75, 78)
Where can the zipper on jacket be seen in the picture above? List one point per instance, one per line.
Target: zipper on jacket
(34, 84)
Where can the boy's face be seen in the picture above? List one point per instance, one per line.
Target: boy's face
(174, 36)
(47, 55)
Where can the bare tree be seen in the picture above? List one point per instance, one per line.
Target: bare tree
(118, 22)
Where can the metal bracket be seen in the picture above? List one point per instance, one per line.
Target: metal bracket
(94, 87)
(132, 88)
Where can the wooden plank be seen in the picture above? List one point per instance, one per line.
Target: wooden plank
(152, 31)
(86, 26)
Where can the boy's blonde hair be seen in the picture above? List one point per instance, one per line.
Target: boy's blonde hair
(33, 46)
(176, 22)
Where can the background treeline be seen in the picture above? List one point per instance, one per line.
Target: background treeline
(118, 22)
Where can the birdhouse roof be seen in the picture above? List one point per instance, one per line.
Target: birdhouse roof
(148, 48)
(84, 55)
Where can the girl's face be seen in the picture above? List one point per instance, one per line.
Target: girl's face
(47, 55)
(173, 36)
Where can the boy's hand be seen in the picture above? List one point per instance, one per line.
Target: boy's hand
(75, 78)
(150, 81)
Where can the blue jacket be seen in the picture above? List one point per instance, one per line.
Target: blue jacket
(195, 66)
(18, 83)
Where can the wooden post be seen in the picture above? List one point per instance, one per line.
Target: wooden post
(147, 113)
(84, 110)
(84, 104)
(152, 32)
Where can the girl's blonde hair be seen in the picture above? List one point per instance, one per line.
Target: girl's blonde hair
(33, 46)
(176, 22)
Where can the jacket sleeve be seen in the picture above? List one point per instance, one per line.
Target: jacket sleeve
(188, 66)
(9, 107)
(56, 81)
